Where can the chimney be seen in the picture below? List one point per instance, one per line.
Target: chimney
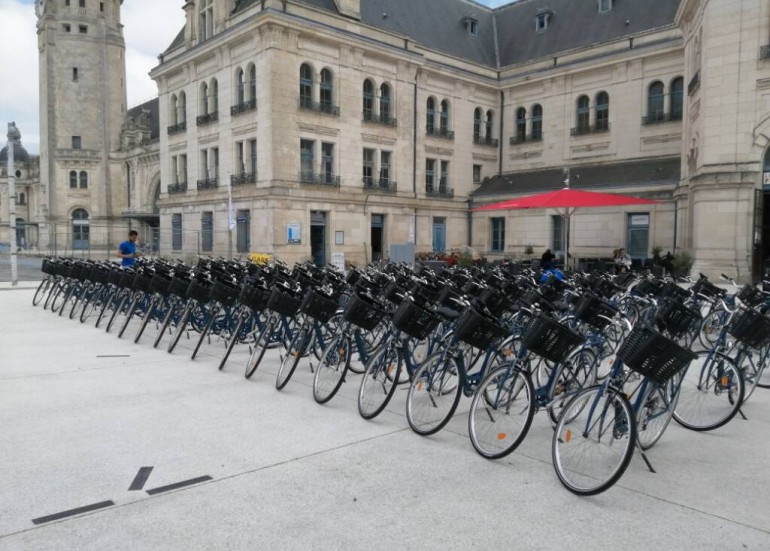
(349, 8)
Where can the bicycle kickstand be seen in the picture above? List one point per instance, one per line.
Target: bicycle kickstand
(740, 412)
(646, 460)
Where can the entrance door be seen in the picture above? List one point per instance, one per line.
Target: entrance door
(80, 230)
(439, 235)
(318, 237)
(378, 229)
(243, 231)
(21, 233)
(761, 235)
(638, 235)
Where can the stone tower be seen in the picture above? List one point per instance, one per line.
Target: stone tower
(82, 109)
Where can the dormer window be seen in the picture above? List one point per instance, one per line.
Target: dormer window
(605, 6)
(471, 24)
(542, 19)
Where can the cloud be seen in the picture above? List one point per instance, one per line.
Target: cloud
(149, 27)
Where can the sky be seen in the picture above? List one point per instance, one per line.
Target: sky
(149, 27)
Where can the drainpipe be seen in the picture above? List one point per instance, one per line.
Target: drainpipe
(128, 191)
(502, 121)
(414, 137)
(676, 223)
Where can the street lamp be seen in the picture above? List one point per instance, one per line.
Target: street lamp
(14, 137)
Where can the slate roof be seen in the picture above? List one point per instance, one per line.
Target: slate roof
(153, 106)
(629, 173)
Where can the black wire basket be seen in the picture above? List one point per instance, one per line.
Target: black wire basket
(750, 328)
(550, 339)
(115, 276)
(448, 297)
(624, 280)
(495, 301)
(49, 266)
(225, 293)
(676, 318)
(352, 277)
(649, 287)
(75, 271)
(478, 330)
(141, 283)
(199, 290)
(605, 288)
(178, 286)
(652, 355)
(594, 311)
(363, 312)
(284, 302)
(394, 293)
(425, 295)
(254, 298)
(707, 289)
(672, 290)
(414, 320)
(318, 306)
(750, 296)
(159, 284)
(126, 279)
(99, 275)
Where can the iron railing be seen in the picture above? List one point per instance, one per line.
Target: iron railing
(660, 118)
(439, 191)
(438, 132)
(593, 129)
(384, 185)
(516, 140)
(208, 183)
(322, 178)
(378, 118)
(485, 140)
(319, 107)
(177, 128)
(243, 107)
(179, 187)
(207, 118)
(243, 178)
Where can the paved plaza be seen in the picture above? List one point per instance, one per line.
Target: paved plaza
(83, 412)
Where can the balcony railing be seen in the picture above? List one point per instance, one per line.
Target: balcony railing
(208, 118)
(439, 191)
(516, 140)
(179, 187)
(694, 84)
(485, 140)
(595, 129)
(243, 178)
(242, 107)
(383, 185)
(319, 107)
(208, 183)
(177, 128)
(764, 52)
(322, 179)
(660, 118)
(438, 132)
(378, 118)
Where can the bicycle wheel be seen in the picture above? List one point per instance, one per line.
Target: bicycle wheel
(51, 293)
(129, 315)
(501, 412)
(593, 441)
(330, 374)
(58, 300)
(711, 326)
(180, 328)
(148, 314)
(234, 337)
(657, 408)
(296, 350)
(118, 308)
(371, 341)
(92, 302)
(574, 374)
(77, 300)
(377, 387)
(173, 304)
(41, 290)
(434, 393)
(711, 392)
(111, 297)
(260, 346)
(213, 313)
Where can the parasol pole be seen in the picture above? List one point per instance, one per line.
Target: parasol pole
(565, 229)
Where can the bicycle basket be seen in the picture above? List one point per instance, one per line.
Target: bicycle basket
(750, 328)
(652, 355)
(283, 302)
(126, 279)
(677, 318)
(414, 320)
(594, 311)
(141, 283)
(672, 290)
(478, 330)
(178, 287)
(115, 276)
(159, 284)
(495, 301)
(352, 277)
(99, 275)
(550, 339)
(750, 296)
(605, 288)
(75, 271)
(707, 289)
(254, 298)
(425, 295)
(394, 293)
(318, 306)
(225, 294)
(446, 298)
(199, 290)
(624, 280)
(651, 287)
(362, 312)
(48, 267)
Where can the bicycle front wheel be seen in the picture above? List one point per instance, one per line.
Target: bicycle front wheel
(297, 348)
(377, 385)
(41, 290)
(711, 326)
(657, 408)
(711, 393)
(577, 372)
(593, 441)
(330, 374)
(501, 412)
(260, 346)
(434, 393)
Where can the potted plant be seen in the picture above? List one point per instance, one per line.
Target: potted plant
(682, 263)
(529, 250)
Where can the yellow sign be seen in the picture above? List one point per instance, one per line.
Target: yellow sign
(260, 258)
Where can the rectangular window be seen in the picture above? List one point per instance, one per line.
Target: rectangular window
(175, 169)
(176, 232)
(75, 74)
(327, 162)
(444, 182)
(67, 28)
(82, 3)
(83, 29)
(76, 142)
(215, 161)
(204, 164)
(207, 231)
(476, 174)
(497, 226)
(430, 174)
(240, 161)
(183, 168)
(307, 161)
(369, 167)
(101, 7)
(253, 158)
(384, 168)
(243, 231)
(557, 225)
(66, 2)
(605, 6)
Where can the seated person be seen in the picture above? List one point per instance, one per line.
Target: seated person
(547, 260)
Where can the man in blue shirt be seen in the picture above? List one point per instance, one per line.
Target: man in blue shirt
(127, 250)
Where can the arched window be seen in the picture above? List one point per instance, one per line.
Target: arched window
(306, 86)
(240, 87)
(213, 96)
(327, 90)
(73, 179)
(488, 126)
(204, 108)
(583, 114)
(252, 83)
(477, 124)
(181, 108)
(655, 102)
(430, 122)
(677, 98)
(172, 110)
(83, 179)
(521, 124)
(385, 110)
(444, 117)
(602, 111)
(537, 122)
(368, 100)
(80, 229)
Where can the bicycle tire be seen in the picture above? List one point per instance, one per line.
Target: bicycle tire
(213, 313)
(434, 393)
(377, 388)
(371, 340)
(234, 337)
(41, 290)
(129, 315)
(656, 412)
(148, 313)
(260, 346)
(579, 433)
(705, 378)
(105, 306)
(710, 327)
(90, 304)
(51, 291)
(577, 372)
(297, 348)
(116, 312)
(173, 304)
(67, 296)
(61, 292)
(75, 302)
(505, 397)
(332, 369)
(180, 328)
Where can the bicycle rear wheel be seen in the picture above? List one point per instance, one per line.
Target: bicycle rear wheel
(711, 393)
(296, 350)
(434, 393)
(92, 302)
(78, 300)
(234, 337)
(330, 374)
(180, 328)
(118, 308)
(58, 299)
(129, 315)
(711, 326)
(173, 304)
(41, 290)
(657, 408)
(213, 313)
(51, 293)
(593, 441)
(377, 386)
(109, 299)
(148, 314)
(260, 346)
(501, 412)
(577, 372)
